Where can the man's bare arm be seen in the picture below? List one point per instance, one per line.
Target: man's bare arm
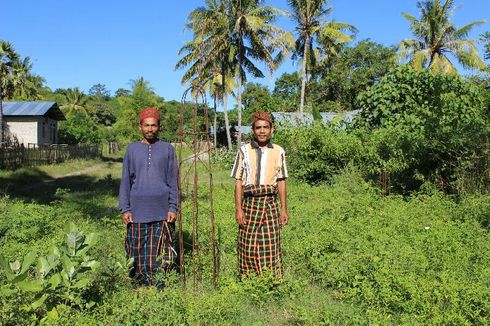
(239, 216)
(281, 187)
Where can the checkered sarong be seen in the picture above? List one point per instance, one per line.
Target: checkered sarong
(152, 247)
(259, 240)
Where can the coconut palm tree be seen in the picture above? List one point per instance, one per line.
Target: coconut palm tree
(237, 34)
(255, 38)
(207, 56)
(75, 101)
(24, 84)
(8, 57)
(436, 37)
(312, 28)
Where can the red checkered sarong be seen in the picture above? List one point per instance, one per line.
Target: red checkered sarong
(259, 240)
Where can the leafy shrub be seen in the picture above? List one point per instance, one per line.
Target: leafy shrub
(445, 115)
(315, 154)
(24, 227)
(60, 277)
(418, 260)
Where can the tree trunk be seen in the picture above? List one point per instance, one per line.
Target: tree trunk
(215, 123)
(239, 108)
(239, 86)
(303, 77)
(1, 116)
(227, 123)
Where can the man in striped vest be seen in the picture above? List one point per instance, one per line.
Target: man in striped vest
(260, 174)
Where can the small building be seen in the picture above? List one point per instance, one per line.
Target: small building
(32, 123)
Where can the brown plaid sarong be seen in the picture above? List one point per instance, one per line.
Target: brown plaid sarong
(259, 240)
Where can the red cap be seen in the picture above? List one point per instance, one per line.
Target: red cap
(149, 113)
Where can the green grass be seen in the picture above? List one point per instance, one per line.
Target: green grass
(351, 256)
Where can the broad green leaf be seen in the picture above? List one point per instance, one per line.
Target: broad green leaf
(53, 256)
(43, 267)
(55, 280)
(29, 259)
(73, 241)
(68, 266)
(52, 315)
(31, 286)
(15, 266)
(19, 278)
(70, 227)
(82, 283)
(6, 267)
(39, 302)
(91, 239)
(92, 264)
(64, 278)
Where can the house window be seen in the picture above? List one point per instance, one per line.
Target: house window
(44, 130)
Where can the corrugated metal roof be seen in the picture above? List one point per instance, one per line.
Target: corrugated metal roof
(346, 116)
(295, 118)
(37, 108)
(292, 118)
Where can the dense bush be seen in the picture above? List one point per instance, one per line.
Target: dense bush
(415, 129)
(79, 128)
(315, 154)
(446, 120)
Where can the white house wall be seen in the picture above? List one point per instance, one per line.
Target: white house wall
(33, 130)
(23, 128)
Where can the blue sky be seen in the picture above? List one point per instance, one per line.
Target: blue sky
(82, 43)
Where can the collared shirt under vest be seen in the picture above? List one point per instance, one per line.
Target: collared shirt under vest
(256, 165)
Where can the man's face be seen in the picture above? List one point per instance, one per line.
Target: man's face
(149, 128)
(262, 131)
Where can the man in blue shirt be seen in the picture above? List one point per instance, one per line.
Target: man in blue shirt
(148, 200)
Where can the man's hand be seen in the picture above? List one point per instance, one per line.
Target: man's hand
(240, 217)
(127, 218)
(284, 217)
(171, 217)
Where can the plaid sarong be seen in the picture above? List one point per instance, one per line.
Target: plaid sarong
(153, 249)
(259, 240)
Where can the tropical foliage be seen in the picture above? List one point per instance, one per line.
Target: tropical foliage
(436, 37)
(311, 28)
(352, 256)
(229, 37)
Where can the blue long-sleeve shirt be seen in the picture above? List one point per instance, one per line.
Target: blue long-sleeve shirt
(148, 186)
